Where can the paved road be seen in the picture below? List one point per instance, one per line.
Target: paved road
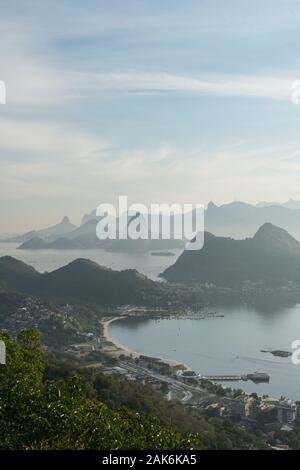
(177, 386)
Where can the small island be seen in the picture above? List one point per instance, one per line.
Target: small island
(278, 353)
(162, 253)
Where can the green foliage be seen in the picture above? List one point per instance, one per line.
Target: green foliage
(118, 393)
(57, 414)
(85, 410)
(20, 382)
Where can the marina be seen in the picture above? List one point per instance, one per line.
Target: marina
(212, 347)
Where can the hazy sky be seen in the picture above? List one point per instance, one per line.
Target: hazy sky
(164, 101)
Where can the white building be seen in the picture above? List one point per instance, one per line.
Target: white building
(286, 411)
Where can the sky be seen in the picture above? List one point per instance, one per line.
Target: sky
(165, 102)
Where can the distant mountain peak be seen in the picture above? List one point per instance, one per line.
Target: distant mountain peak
(276, 240)
(82, 264)
(238, 204)
(268, 230)
(290, 204)
(272, 254)
(15, 265)
(211, 205)
(230, 205)
(65, 220)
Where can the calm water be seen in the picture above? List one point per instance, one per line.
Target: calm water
(48, 260)
(223, 345)
(214, 345)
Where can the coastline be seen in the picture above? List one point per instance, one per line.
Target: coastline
(121, 349)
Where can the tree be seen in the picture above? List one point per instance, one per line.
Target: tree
(57, 415)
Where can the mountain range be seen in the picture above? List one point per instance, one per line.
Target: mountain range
(85, 237)
(235, 219)
(81, 281)
(271, 255)
(290, 204)
(240, 220)
(50, 233)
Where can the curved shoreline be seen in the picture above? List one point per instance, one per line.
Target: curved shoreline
(130, 352)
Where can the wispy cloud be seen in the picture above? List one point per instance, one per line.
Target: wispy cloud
(227, 85)
(69, 140)
(35, 86)
(32, 139)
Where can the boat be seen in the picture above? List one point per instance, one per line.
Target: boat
(257, 377)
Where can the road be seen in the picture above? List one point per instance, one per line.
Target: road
(178, 387)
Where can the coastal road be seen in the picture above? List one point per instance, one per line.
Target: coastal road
(177, 386)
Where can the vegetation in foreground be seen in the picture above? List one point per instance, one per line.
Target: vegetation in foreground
(39, 412)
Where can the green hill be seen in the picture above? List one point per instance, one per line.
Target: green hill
(16, 275)
(82, 280)
(271, 255)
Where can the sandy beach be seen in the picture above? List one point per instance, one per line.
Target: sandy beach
(121, 349)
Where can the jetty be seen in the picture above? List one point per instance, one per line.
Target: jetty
(256, 377)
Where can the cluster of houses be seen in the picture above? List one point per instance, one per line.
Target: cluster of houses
(56, 324)
(248, 409)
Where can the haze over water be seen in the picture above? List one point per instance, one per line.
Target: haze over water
(49, 260)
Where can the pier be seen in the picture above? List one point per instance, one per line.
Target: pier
(255, 376)
(221, 378)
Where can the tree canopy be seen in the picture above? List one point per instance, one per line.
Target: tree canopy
(57, 415)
